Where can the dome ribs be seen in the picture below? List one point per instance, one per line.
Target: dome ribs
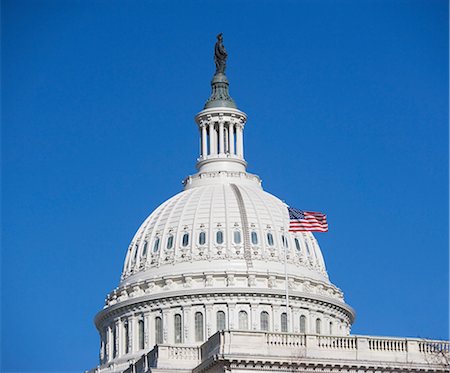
(245, 226)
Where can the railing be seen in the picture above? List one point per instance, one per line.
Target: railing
(287, 340)
(184, 353)
(394, 345)
(427, 347)
(342, 343)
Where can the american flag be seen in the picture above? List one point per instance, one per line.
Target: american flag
(307, 221)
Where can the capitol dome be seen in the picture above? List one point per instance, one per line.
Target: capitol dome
(218, 255)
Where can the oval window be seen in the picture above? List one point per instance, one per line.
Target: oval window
(185, 240)
(307, 248)
(285, 241)
(144, 250)
(237, 237)
(254, 238)
(297, 245)
(219, 237)
(169, 242)
(270, 239)
(202, 238)
(156, 245)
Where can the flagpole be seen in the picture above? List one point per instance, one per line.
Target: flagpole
(286, 285)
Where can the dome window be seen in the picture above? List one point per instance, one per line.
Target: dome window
(284, 322)
(202, 238)
(270, 239)
(144, 250)
(169, 245)
(220, 319)
(178, 329)
(307, 248)
(185, 240)
(254, 238)
(136, 250)
(318, 326)
(285, 241)
(158, 330)
(243, 320)
(237, 237)
(141, 334)
(302, 324)
(264, 321)
(219, 237)
(331, 327)
(297, 245)
(199, 327)
(156, 245)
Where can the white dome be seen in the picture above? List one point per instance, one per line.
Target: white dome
(207, 226)
(220, 250)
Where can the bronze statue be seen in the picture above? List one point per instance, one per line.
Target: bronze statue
(220, 55)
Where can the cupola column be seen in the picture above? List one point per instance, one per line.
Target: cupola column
(231, 137)
(221, 138)
(204, 141)
(239, 142)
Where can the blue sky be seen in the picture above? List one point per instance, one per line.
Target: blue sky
(348, 114)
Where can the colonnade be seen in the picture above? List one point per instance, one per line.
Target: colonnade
(221, 138)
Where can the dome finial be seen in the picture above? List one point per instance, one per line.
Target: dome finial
(220, 55)
(220, 96)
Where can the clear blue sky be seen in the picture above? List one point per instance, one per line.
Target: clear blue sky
(348, 114)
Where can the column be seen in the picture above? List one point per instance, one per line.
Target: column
(253, 317)
(221, 138)
(231, 316)
(212, 140)
(132, 331)
(239, 142)
(108, 344)
(149, 331)
(207, 320)
(225, 139)
(231, 137)
(204, 141)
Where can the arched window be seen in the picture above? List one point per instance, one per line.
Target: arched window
(297, 245)
(202, 238)
(254, 238)
(199, 326)
(302, 324)
(158, 330)
(237, 237)
(219, 237)
(318, 326)
(136, 249)
(284, 322)
(114, 342)
(270, 239)
(185, 240)
(169, 245)
(220, 318)
(243, 320)
(331, 328)
(178, 329)
(307, 248)
(285, 241)
(264, 320)
(156, 245)
(141, 334)
(126, 336)
(144, 250)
